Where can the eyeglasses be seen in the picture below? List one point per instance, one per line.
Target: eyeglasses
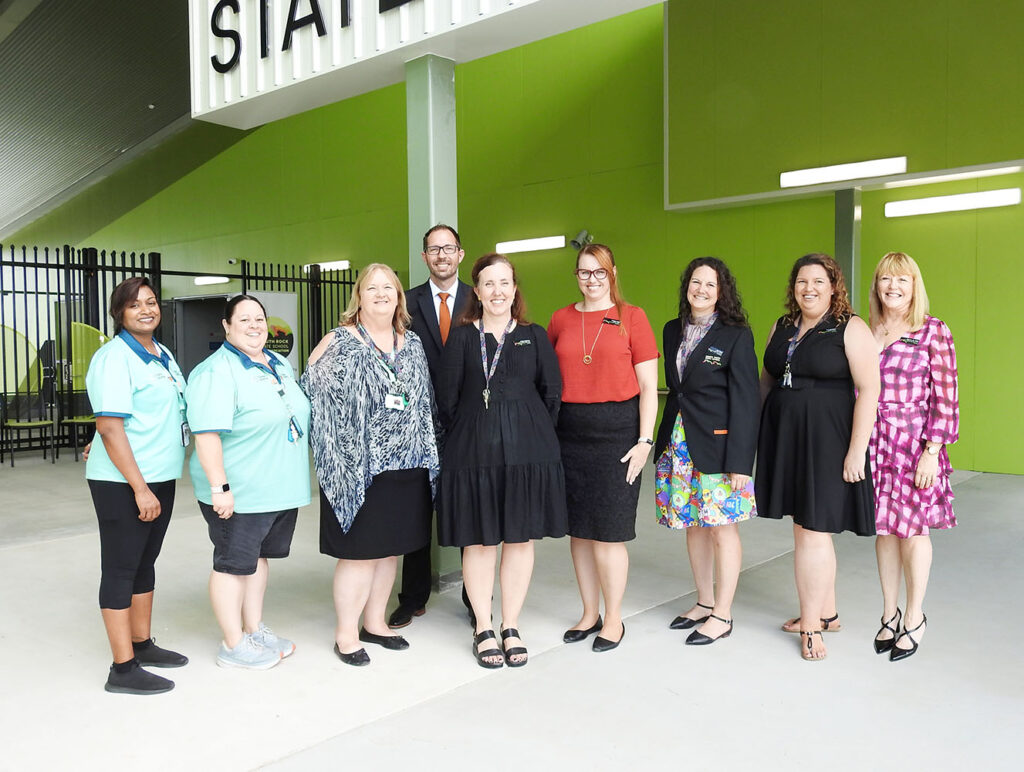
(599, 273)
(448, 249)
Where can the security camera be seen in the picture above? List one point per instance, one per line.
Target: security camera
(232, 261)
(582, 239)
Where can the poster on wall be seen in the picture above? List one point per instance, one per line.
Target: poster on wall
(282, 324)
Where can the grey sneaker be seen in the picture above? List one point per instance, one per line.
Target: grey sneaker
(248, 655)
(266, 638)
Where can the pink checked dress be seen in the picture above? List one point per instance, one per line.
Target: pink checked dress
(918, 404)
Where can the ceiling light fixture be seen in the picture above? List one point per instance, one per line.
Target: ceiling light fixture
(199, 281)
(880, 167)
(530, 245)
(330, 265)
(957, 203)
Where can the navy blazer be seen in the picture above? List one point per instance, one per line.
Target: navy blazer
(420, 302)
(718, 398)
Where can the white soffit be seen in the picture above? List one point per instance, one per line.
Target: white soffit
(368, 54)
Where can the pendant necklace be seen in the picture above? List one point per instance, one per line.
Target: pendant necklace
(588, 358)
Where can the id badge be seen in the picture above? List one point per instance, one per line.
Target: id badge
(394, 402)
(186, 435)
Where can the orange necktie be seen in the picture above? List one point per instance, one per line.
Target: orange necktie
(445, 318)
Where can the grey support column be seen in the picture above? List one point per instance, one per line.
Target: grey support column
(433, 198)
(847, 212)
(430, 131)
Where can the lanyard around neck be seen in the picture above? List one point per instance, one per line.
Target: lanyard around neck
(489, 372)
(390, 361)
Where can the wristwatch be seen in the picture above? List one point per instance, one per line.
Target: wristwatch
(648, 440)
(933, 450)
(220, 488)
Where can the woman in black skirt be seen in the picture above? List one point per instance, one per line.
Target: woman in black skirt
(609, 362)
(501, 480)
(375, 453)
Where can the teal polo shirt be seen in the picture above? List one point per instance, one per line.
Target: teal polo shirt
(147, 391)
(239, 399)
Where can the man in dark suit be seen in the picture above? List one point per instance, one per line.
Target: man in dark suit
(434, 307)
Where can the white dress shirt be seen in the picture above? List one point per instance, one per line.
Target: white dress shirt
(435, 292)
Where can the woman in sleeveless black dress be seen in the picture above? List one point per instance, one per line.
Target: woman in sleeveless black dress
(821, 386)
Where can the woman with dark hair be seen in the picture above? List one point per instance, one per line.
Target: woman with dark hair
(501, 475)
(249, 416)
(918, 416)
(609, 406)
(820, 386)
(375, 453)
(707, 439)
(137, 393)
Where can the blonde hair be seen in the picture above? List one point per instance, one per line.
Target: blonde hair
(401, 319)
(899, 264)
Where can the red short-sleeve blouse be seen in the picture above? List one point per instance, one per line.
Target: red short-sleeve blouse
(610, 376)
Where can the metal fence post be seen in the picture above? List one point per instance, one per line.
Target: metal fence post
(91, 287)
(315, 306)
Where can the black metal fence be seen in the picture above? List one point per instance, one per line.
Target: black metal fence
(54, 317)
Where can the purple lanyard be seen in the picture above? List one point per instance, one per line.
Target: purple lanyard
(494, 365)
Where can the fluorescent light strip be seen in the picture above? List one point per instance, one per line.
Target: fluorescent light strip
(530, 245)
(880, 167)
(958, 203)
(330, 265)
(199, 281)
(952, 177)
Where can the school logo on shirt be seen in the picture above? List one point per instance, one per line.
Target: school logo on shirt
(524, 342)
(714, 356)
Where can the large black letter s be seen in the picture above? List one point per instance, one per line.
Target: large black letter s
(230, 34)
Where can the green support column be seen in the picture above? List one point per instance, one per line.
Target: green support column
(847, 208)
(433, 198)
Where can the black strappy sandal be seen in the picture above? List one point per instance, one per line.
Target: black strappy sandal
(697, 638)
(896, 653)
(805, 652)
(685, 623)
(482, 655)
(830, 625)
(511, 632)
(882, 646)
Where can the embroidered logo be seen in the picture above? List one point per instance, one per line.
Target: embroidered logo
(910, 341)
(526, 342)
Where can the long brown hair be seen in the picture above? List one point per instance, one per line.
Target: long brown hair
(840, 308)
(729, 306)
(475, 310)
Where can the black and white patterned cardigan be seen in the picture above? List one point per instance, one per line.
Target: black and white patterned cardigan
(352, 434)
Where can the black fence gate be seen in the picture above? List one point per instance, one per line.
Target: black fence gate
(54, 317)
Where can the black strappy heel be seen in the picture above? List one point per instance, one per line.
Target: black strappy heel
(882, 646)
(896, 653)
(685, 623)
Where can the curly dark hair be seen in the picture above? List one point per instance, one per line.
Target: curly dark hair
(729, 306)
(475, 310)
(840, 308)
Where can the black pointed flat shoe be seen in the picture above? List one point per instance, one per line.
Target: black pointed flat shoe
(603, 644)
(356, 658)
(685, 623)
(697, 638)
(893, 626)
(896, 653)
(575, 636)
(393, 642)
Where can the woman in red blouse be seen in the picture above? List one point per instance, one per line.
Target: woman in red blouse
(609, 362)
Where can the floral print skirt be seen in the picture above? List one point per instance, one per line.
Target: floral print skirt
(686, 497)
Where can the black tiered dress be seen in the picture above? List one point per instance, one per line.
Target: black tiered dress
(805, 435)
(501, 471)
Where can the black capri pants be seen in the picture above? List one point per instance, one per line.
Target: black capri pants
(128, 546)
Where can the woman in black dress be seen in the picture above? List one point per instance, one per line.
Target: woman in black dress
(821, 385)
(502, 480)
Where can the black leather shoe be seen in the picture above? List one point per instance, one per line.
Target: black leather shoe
(603, 644)
(685, 623)
(697, 638)
(393, 642)
(357, 658)
(150, 655)
(402, 616)
(575, 636)
(893, 626)
(896, 653)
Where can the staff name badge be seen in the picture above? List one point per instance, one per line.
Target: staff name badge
(395, 402)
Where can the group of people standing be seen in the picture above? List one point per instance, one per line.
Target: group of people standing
(447, 398)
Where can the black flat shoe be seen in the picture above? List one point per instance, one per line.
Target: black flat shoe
(482, 655)
(402, 616)
(575, 636)
(882, 646)
(357, 658)
(697, 638)
(393, 642)
(603, 644)
(685, 623)
(514, 651)
(896, 653)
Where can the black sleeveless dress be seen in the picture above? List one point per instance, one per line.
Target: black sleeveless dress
(805, 434)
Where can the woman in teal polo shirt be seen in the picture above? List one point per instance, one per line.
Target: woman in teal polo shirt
(250, 473)
(137, 395)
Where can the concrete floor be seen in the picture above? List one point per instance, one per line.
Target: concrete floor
(748, 702)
